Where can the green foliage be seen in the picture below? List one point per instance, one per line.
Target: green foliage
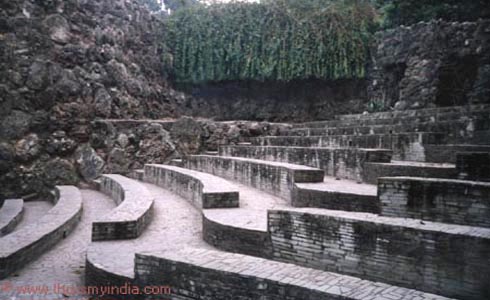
(274, 40)
(375, 106)
(406, 12)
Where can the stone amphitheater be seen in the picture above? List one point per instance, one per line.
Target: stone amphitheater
(392, 205)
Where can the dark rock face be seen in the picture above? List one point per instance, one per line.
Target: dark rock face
(62, 63)
(432, 64)
(297, 101)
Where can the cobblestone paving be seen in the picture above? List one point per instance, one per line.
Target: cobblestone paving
(64, 263)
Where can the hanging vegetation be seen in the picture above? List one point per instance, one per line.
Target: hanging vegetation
(273, 40)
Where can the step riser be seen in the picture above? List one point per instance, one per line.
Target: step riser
(272, 179)
(335, 200)
(190, 188)
(132, 215)
(438, 200)
(373, 171)
(415, 116)
(28, 243)
(455, 129)
(384, 250)
(448, 153)
(244, 277)
(345, 163)
(409, 147)
(236, 240)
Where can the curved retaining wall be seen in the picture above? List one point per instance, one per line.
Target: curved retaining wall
(440, 200)
(133, 213)
(272, 177)
(209, 274)
(29, 242)
(11, 214)
(235, 239)
(345, 163)
(438, 258)
(202, 190)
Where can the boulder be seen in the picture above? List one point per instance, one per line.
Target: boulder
(27, 148)
(89, 164)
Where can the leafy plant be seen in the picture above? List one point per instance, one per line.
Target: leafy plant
(274, 40)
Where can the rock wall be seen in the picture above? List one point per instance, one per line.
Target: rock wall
(296, 101)
(431, 64)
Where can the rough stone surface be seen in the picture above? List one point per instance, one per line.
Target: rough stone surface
(90, 165)
(439, 200)
(428, 64)
(223, 276)
(273, 177)
(406, 252)
(347, 163)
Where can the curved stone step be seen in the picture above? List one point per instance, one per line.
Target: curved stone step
(408, 116)
(439, 258)
(10, 215)
(195, 273)
(448, 153)
(237, 230)
(133, 213)
(29, 242)
(335, 194)
(272, 177)
(372, 171)
(458, 128)
(347, 163)
(176, 223)
(439, 200)
(201, 189)
(405, 146)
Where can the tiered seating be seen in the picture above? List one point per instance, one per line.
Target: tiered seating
(29, 242)
(202, 190)
(210, 274)
(405, 233)
(133, 213)
(442, 200)
(10, 215)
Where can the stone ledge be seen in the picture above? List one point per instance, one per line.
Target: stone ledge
(226, 276)
(372, 171)
(345, 163)
(234, 238)
(448, 153)
(409, 116)
(29, 242)
(424, 255)
(405, 146)
(131, 216)
(272, 177)
(440, 200)
(201, 189)
(10, 215)
(349, 198)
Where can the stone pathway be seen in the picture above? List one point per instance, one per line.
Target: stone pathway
(176, 223)
(33, 210)
(64, 263)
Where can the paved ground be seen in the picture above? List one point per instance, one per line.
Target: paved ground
(33, 210)
(64, 263)
(176, 223)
